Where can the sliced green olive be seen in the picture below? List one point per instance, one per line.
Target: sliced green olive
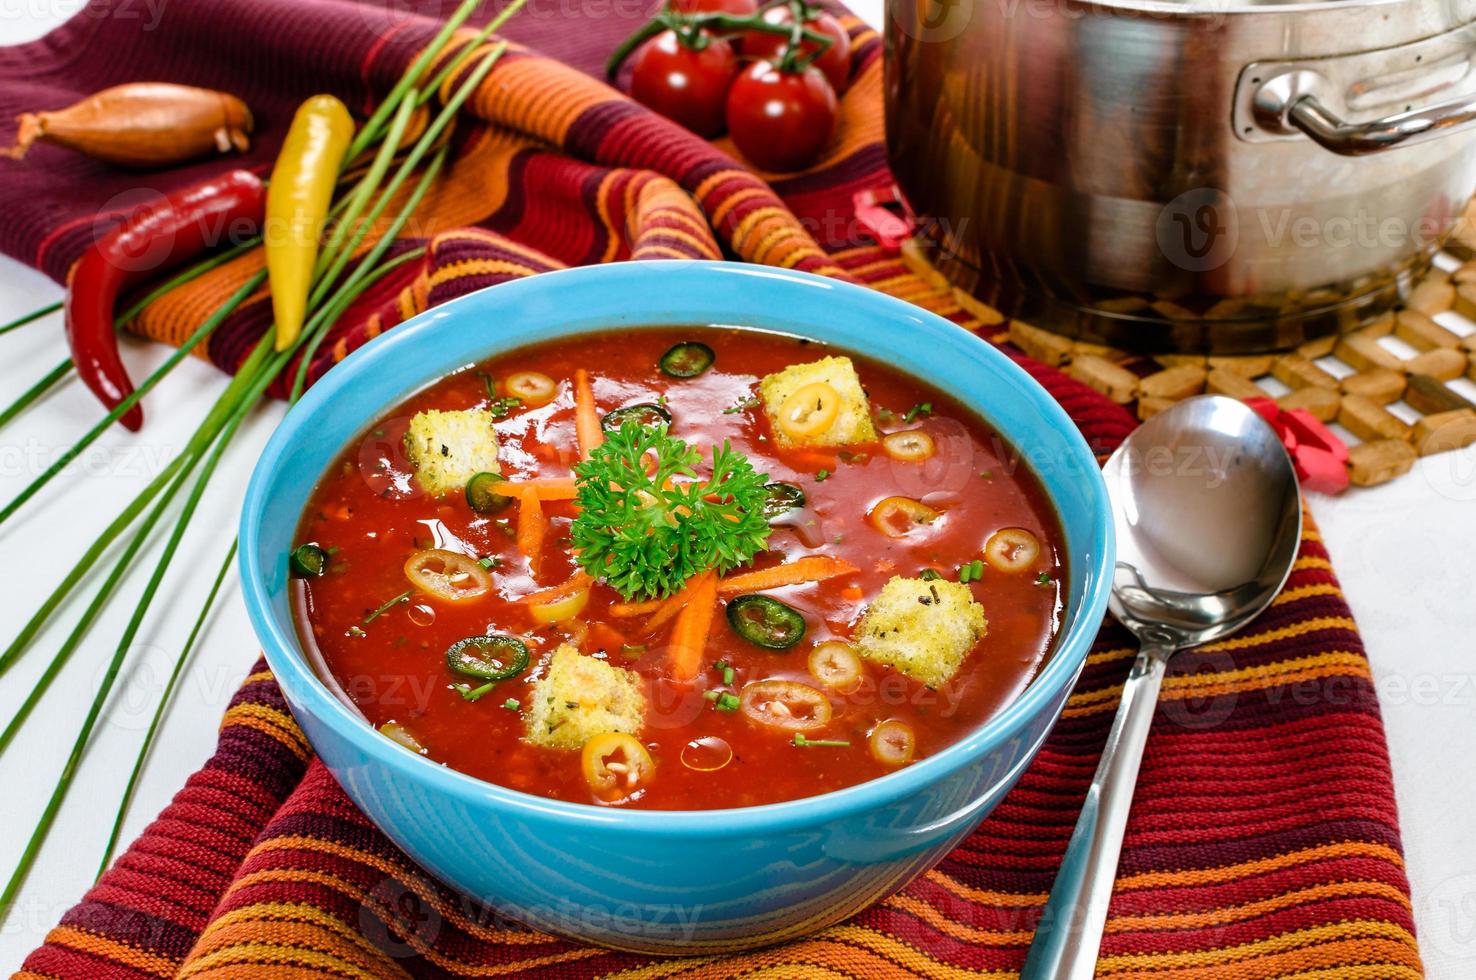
(782, 499)
(766, 622)
(491, 658)
(482, 495)
(308, 561)
(687, 360)
(646, 413)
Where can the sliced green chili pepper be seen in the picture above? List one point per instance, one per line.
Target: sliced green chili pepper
(491, 658)
(687, 360)
(782, 498)
(482, 495)
(646, 413)
(308, 561)
(766, 622)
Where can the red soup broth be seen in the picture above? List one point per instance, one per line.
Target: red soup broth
(387, 654)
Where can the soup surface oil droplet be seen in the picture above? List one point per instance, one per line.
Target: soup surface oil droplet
(421, 614)
(706, 754)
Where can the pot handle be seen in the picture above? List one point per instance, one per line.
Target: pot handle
(1283, 105)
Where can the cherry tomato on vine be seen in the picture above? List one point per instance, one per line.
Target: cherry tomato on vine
(685, 84)
(781, 120)
(738, 8)
(836, 60)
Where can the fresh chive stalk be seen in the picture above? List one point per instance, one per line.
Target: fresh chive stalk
(164, 700)
(31, 317)
(56, 374)
(204, 330)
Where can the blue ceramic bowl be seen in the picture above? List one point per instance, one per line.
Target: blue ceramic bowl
(667, 881)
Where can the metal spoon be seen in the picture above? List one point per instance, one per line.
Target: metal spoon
(1208, 522)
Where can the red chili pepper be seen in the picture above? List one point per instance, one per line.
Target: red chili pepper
(179, 227)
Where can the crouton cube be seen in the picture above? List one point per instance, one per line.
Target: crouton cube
(921, 628)
(852, 422)
(449, 448)
(580, 697)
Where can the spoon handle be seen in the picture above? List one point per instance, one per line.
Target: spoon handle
(1070, 931)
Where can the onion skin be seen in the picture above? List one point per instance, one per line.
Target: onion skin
(142, 125)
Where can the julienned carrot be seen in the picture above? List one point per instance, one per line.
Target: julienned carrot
(689, 635)
(815, 568)
(544, 488)
(577, 581)
(628, 610)
(586, 416)
(532, 526)
(669, 607)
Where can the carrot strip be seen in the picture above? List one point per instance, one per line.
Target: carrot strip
(626, 610)
(689, 635)
(815, 568)
(546, 488)
(670, 606)
(532, 526)
(576, 582)
(586, 416)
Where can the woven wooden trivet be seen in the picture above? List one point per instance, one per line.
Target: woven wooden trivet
(1397, 388)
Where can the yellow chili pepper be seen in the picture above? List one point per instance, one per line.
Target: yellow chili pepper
(298, 198)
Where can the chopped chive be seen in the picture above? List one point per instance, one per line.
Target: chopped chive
(470, 693)
(711, 695)
(402, 597)
(1044, 578)
(512, 704)
(633, 651)
(491, 561)
(354, 631)
(920, 409)
(824, 474)
(728, 675)
(727, 702)
(823, 743)
(929, 575)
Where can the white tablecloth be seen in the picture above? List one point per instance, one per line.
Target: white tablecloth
(1406, 553)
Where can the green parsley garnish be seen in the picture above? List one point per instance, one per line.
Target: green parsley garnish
(800, 742)
(645, 533)
(742, 405)
(1044, 578)
(929, 575)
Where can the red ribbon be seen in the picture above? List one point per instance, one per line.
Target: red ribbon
(1320, 457)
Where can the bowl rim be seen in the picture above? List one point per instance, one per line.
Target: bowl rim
(301, 683)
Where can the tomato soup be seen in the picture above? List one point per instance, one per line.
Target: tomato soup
(678, 569)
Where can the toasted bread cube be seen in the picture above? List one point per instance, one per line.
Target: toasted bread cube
(449, 448)
(852, 423)
(921, 628)
(580, 697)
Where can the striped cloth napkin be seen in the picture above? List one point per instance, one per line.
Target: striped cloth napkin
(1263, 843)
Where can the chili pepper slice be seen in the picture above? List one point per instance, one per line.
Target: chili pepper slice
(490, 658)
(172, 231)
(302, 184)
(644, 413)
(766, 622)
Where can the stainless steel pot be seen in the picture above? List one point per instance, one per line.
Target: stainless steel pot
(1178, 175)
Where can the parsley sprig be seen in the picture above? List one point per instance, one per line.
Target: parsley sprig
(647, 533)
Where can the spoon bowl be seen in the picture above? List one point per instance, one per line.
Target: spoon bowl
(1209, 519)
